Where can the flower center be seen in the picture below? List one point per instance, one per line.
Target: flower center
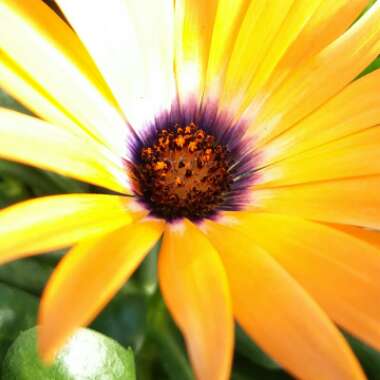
(185, 172)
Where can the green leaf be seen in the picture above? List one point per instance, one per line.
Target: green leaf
(87, 356)
(51, 258)
(249, 349)
(147, 272)
(375, 65)
(65, 184)
(34, 181)
(259, 374)
(18, 311)
(168, 342)
(11, 191)
(246, 370)
(26, 274)
(368, 357)
(124, 319)
(8, 102)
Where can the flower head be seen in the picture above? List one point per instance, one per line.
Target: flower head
(234, 130)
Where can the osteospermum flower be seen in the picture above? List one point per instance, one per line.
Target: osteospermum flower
(231, 128)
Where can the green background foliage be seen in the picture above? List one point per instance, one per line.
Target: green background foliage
(135, 319)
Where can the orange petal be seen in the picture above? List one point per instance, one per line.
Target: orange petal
(354, 109)
(302, 92)
(48, 223)
(195, 288)
(275, 24)
(369, 236)
(353, 156)
(228, 19)
(331, 19)
(338, 269)
(353, 201)
(87, 278)
(278, 314)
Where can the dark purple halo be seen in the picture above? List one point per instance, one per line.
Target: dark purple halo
(228, 133)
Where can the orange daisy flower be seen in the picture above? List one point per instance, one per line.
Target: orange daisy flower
(232, 128)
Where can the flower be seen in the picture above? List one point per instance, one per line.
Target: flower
(232, 128)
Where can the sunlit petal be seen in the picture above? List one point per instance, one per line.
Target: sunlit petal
(340, 270)
(354, 109)
(266, 32)
(32, 141)
(47, 49)
(278, 314)
(87, 278)
(49, 223)
(132, 44)
(353, 201)
(23, 88)
(302, 92)
(331, 19)
(195, 288)
(353, 156)
(194, 20)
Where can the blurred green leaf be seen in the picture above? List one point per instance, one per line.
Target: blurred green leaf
(246, 370)
(251, 351)
(35, 182)
(11, 191)
(168, 341)
(124, 319)
(368, 357)
(51, 258)
(18, 311)
(87, 356)
(65, 184)
(147, 272)
(8, 102)
(26, 274)
(375, 65)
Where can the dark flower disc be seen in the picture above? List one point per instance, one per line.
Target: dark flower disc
(192, 166)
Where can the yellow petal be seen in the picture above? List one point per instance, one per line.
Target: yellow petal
(316, 81)
(195, 288)
(277, 312)
(228, 19)
(47, 49)
(194, 20)
(132, 44)
(23, 88)
(262, 20)
(266, 32)
(354, 156)
(356, 108)
(340, 270)
(369, 236)
(328, 22)
(49, 223)
(353, 201)
(87, 278)
(32, 141)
